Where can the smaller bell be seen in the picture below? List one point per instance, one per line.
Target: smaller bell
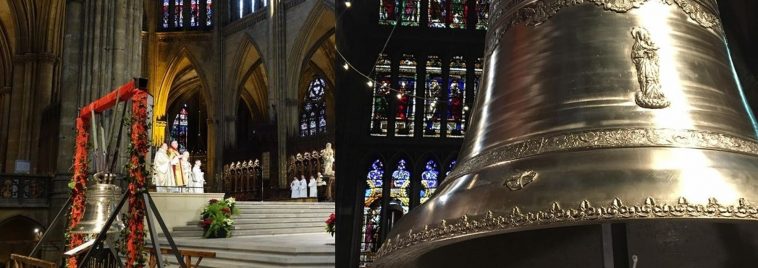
(101, 202)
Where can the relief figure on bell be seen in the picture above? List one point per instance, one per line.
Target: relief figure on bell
(645, 59)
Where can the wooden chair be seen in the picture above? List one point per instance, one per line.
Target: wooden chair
(18, 261)
(186, 254)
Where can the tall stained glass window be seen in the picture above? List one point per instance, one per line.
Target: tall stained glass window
(313, 115)
(405, 108)
(178, 14)
(410, 12)
(433, 98)
(401, 181)
(429, 180)
(194, 13)
(180, 127)
(457, 98)
(209, 12)
(448, 13)
(380, 111)
(372, 206)
(482, 13)
(388, 10)
(164, 16)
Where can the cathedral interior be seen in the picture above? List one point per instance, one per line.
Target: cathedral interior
(256, 90)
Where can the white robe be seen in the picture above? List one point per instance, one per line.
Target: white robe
(198, 179)
(295, 188)
(188, 176)
(162, 171)
(303, 193)
(313, 188)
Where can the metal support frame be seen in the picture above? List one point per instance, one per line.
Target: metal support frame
(152, 213)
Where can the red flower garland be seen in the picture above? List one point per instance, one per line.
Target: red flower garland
(135, 241)
(78, 187)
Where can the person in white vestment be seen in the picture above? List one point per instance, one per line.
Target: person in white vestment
(199, 178)
(162, 169)
(295, 188)
(303, 187)
(312, 188)
(186, 174)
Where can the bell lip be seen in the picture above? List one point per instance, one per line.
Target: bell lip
(406, 255)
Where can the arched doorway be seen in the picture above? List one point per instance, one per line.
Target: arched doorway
(19, 235)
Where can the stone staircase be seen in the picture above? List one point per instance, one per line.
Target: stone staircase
(270, 218)
(266, 234)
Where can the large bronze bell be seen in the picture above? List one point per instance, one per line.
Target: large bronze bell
(594, 111)
(102, 198)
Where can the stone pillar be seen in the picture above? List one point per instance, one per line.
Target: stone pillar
(216, 124)
(278, 60)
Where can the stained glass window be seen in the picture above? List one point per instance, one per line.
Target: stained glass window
(483, 13)
(401, 181)
(406, 103)
(164, 17)
(313, 116)
(380, 112)
(433, 99)
(388, 11)
(429, 179)
(372, 206)
(410, 15)
(178, 14)
(457, 98)
(437, 13)
(209, 12)
(194, 13)
(448, 13)
(179, 128)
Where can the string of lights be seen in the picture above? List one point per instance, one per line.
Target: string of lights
(371, 81)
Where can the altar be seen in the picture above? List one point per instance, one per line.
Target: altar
(177, 209)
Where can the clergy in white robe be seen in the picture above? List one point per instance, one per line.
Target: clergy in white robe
(199, 178)
(312, 188)
(186, 174)
(161, 169)
(295, 188)
(303, 188)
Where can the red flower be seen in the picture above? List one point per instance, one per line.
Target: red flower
(332, 219)
(213, 201)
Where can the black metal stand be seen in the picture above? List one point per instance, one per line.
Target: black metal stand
(152, 213)
(47, 231)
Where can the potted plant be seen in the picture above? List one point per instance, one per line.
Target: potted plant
(216, 218)
(330, 223)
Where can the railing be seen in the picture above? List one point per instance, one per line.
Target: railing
(19, 190)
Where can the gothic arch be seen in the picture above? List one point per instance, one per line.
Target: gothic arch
(318, 29)
(183, 74)
(249, 80)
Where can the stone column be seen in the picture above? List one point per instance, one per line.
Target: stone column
(278, 60)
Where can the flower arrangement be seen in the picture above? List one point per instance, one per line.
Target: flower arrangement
(330, 224)
(217, 218)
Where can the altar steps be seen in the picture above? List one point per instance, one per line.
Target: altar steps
(304, 250)
(270, 218)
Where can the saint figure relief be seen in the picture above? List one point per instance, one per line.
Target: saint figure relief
(645, 59)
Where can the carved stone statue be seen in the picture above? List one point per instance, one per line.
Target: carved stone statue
(645, 59)
(327, 154)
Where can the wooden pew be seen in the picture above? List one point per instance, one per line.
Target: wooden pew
(19, 261)
(186, 253)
